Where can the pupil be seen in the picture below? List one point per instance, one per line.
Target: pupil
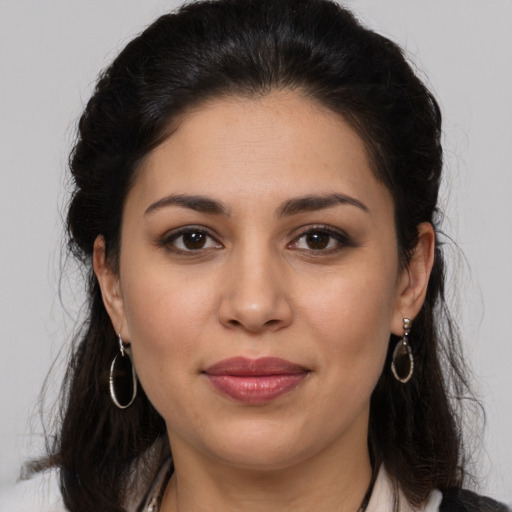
(194, 240)
(317, 240)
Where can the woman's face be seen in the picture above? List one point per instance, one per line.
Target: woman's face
(259, 282)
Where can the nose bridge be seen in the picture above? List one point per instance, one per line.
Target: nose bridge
(255, 297)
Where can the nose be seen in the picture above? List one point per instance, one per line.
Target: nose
(255, 293)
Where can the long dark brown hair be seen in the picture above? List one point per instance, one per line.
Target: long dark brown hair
(212, 49)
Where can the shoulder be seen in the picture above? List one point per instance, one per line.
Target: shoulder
(385, 497)
(462, 500)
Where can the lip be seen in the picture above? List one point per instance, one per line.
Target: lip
(255, 381)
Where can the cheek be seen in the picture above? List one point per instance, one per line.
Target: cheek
(166, 319)
(160, 307)
(352, 317)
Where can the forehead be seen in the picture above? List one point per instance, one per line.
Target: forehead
(277, 145)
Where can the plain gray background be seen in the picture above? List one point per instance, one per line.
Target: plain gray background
(50, 54)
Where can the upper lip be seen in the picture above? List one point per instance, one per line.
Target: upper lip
(246, 367)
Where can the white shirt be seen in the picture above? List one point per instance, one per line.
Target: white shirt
(382, 498)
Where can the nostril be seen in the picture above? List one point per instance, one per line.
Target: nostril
(254, 326)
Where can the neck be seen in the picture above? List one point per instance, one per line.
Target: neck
(334, 480)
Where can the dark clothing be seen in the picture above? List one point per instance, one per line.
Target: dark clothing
(462, 500)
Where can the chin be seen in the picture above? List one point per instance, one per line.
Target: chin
(263, 445)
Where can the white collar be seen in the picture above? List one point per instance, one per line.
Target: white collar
(383, 497)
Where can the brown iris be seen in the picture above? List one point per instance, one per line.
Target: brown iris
(194, 240)
(317, 240)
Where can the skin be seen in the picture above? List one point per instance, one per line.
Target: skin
(260, 287)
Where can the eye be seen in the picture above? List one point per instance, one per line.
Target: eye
(190, 239)
(320, 240)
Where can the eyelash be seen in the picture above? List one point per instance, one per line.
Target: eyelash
(170, 239)
(342, 240)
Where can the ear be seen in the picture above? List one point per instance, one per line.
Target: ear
(110, 287)
(413, 280)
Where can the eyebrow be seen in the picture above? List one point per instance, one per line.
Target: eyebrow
(198, 203)
(313, 203)
(291, 207)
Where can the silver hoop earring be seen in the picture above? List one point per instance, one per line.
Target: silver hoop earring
(122, 378)
(402, 364)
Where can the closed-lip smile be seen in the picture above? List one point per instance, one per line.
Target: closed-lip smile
(255, 381)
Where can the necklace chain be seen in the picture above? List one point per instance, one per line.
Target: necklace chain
(157, 491)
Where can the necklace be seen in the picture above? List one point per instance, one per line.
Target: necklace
(156, 493)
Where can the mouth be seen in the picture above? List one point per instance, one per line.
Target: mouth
(255, 381)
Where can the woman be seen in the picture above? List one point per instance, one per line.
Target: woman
(256, 201)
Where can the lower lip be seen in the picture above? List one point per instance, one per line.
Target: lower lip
(258, 389)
